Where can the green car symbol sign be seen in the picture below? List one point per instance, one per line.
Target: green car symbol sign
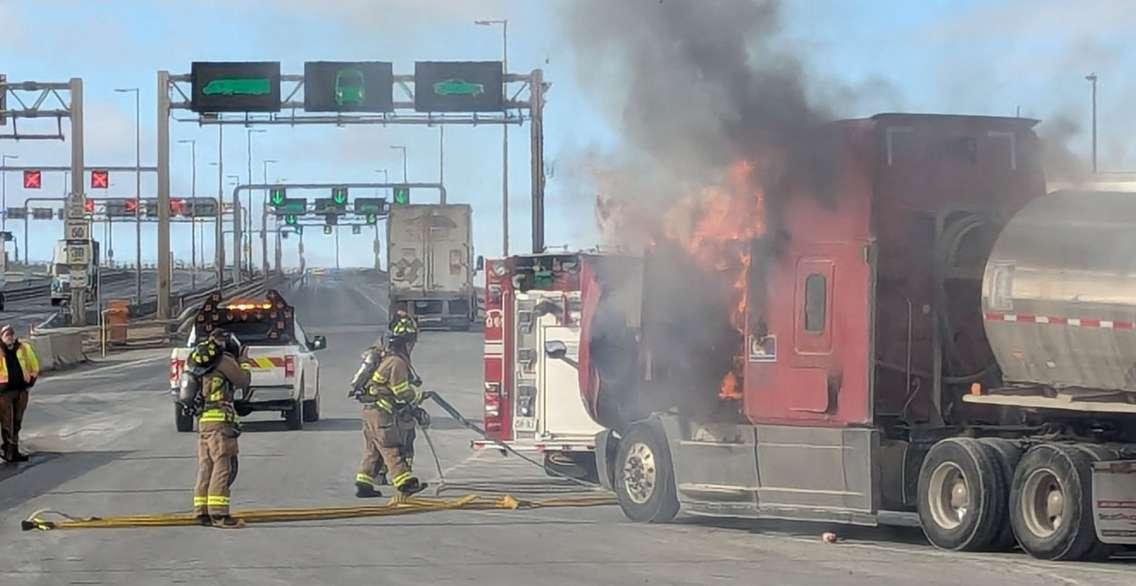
(237, 86)
(349, 87)
(458, 87)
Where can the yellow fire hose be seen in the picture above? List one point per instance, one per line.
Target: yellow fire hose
(396, 506)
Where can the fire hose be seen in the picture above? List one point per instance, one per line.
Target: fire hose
(49, 519)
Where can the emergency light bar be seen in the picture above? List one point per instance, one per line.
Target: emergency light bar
(247, 306)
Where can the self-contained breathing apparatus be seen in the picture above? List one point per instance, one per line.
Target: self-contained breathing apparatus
(202, 361)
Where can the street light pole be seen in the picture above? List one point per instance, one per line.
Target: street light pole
(193, 217)
(504, 22)
(248, 249)
(375, 247)
(1092, 78)
(264, 221)
(137, 188)
(403, 149)
(4, 188)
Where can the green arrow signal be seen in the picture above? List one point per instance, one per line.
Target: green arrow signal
(276, 196)
(402, 195)
(339, 195)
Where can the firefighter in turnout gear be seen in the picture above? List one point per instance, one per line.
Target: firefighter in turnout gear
(391, 400)
(215, 373)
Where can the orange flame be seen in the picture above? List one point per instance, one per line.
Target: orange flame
(714, 227)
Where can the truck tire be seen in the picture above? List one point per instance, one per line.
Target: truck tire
(1007, 454)
(578, 465)
(312, 410)
(1051, 507)
(294, 417)
(182, 420)
(644, 476)
(961, 496)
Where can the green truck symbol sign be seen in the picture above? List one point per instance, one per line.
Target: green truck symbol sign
(238, 86)
(458, 87)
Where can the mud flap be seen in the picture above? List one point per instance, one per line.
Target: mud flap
(1114, 501)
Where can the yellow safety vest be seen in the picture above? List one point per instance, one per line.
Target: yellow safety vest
(28, 360)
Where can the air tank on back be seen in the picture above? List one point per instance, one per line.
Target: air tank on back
(1059, 293)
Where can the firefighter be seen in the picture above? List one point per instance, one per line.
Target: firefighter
(391, 401)
(219, 360)
(19, 369)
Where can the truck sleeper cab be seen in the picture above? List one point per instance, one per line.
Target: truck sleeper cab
(872, 393)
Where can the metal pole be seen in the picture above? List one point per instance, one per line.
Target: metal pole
(442, 157)
(337, 248)
(1093, 80)
(536, 109)
(505, 144)
(264, 221)
(164, 264)
(193, 216)
(138, 194)
(218, 225)
(376, 247)
(78, 295)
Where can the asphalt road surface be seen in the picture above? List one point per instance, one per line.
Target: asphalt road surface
(105, 444)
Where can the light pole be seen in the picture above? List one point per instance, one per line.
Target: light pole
(403, 149)
(4, 188)
(504, 131)
(1092, 78)
(4, 207)
(238, 244)
(375, 248)
(264, 221)
(248, 249)
(137, 188)
(193, 216)
(386, 178)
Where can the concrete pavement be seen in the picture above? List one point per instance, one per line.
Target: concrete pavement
(105, 444)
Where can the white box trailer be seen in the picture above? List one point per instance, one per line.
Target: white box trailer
(430, 252)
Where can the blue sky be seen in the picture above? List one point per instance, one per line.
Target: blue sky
(962, 56)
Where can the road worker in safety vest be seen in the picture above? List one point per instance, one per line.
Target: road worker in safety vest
(391, 401)
(215, 370)
(19, 370)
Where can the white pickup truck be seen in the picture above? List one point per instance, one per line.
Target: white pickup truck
(285, 371)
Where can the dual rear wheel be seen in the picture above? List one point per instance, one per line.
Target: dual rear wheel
(985, 495)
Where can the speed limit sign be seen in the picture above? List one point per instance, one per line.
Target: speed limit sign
(78, 231)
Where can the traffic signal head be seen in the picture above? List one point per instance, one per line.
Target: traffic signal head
(356, 229)
(331, 219)
(33, 179)
(327, 229)
(276, 196)
(339, 196)
(372, 219)
(291, 219)
(89, 206)
(401, 195)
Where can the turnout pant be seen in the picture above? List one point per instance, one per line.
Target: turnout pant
(216, 468)
(12, 407)
(387, 444)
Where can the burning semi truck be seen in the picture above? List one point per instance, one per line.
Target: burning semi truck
(909, 331)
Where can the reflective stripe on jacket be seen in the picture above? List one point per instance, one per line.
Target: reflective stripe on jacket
(29, 363)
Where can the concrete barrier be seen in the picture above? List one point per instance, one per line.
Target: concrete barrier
(57, 351)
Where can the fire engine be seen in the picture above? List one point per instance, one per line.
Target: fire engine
(532, 401)
(929, 339)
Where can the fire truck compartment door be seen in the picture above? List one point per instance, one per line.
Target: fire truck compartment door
(561, 407)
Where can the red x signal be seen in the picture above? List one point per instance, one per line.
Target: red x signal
(89, 206)
(177, 207)
(132, 206)
(33, 179)
(100, 179)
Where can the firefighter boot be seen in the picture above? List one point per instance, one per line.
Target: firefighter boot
(366, 491)
(227, 522)
(412, 487)
(205, 520)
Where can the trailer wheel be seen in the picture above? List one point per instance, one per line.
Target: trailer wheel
(644, 477)
(578, 465)
(183, 420)
(1007, 454)
(961, 498)
(1051, 507)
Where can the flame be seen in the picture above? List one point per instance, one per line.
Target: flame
(715, 226)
